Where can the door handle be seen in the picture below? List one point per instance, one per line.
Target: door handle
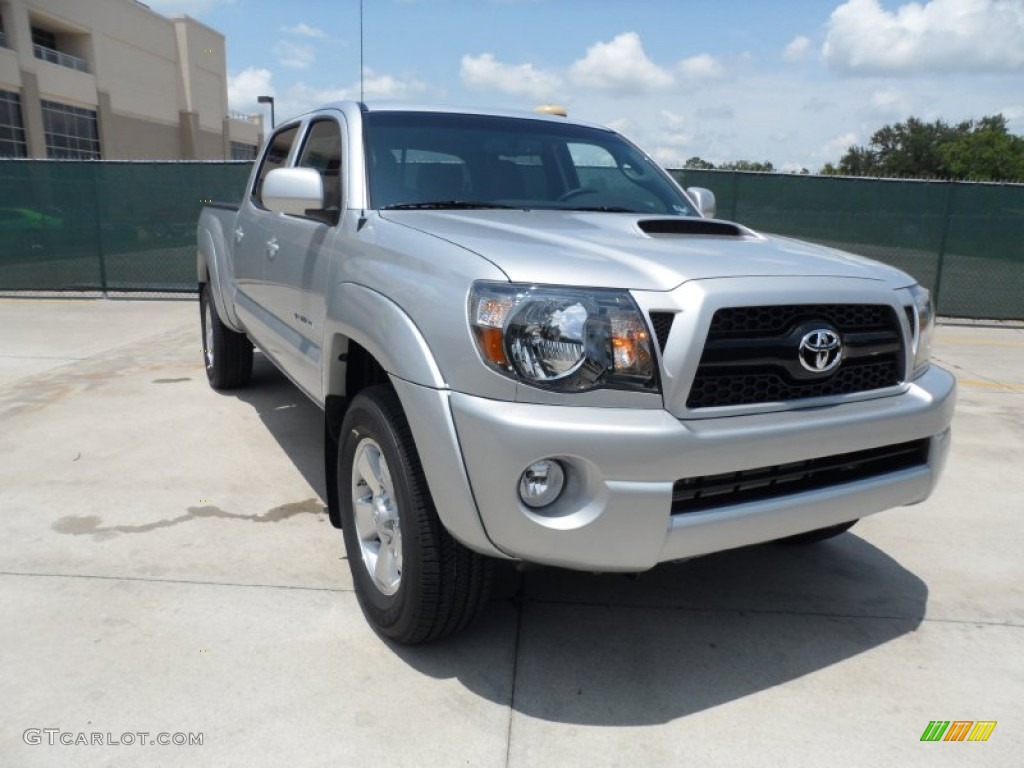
(272, 247)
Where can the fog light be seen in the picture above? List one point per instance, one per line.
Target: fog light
(542, 483)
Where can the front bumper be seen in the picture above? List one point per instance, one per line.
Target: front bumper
(615, 514)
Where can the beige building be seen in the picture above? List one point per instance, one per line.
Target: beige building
(114, 80)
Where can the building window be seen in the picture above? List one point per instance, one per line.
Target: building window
(240, 151)
(3, 35)
(12, 129)
(45, 47)
(44, 38)
(71, 132)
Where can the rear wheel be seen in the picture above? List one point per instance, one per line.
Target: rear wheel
(227, 354)
(414, 582)
(821, 534)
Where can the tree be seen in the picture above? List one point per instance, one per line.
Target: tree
(979, 150)
(989, 152)
(699, 164)
(747, 165)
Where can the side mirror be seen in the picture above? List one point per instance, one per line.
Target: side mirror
(705, 200)
(294, 191)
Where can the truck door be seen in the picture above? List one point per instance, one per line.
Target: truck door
(252, 238)
(296, 270)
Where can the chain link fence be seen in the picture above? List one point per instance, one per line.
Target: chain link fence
(129, 227)
(106, 226)
(962, 240)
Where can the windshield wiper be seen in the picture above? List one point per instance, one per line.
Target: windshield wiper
(602, 209)
(436, 205)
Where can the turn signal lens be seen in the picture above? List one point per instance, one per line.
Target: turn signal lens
(491, 344)
(924, 311)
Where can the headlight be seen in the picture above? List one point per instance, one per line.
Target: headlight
(566, 339)
(924, 327)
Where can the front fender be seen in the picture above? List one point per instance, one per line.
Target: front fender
(384, 330)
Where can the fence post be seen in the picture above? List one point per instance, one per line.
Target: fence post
(99, 228)
(735, 193)
(940, 264)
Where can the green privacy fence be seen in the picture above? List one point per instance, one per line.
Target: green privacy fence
(964, 241)
(106, 226)
(130, 226)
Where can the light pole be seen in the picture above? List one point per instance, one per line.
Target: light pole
(268, 100)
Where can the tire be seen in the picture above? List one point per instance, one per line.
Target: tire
(821, 534)
(227, 354)
(414, 582)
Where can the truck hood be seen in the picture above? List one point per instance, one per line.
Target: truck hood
(632, 251)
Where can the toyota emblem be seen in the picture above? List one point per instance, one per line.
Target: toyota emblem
(821, 350)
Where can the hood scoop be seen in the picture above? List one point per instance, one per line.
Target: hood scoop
(688, 226)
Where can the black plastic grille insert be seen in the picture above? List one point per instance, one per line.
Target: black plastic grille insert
(696, 494)
(751, 354)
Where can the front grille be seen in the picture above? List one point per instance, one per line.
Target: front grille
(696, 494)
(751, 354)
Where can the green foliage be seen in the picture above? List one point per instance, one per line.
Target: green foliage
(982, 150)
(987, 153)
(747, 165)
(700, 164)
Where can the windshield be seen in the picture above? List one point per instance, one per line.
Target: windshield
(436, 160)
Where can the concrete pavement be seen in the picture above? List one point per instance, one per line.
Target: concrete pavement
(166, 567)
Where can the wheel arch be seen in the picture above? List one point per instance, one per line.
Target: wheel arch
(368, 339)
(211, 269)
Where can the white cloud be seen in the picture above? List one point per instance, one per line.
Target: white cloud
(703, 66)
(379, 86)
(244, 87)
(620, 67)
(938, 36)
(797, 48)
(836, 147)
(672, 119)
(294, 55)
(301, 97)
(671, 156)
(304, 30)
(484, 72)
(890, 102)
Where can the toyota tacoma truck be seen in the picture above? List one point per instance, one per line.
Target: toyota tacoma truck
(530, 343)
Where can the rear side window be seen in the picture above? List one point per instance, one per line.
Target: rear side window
(275, 157)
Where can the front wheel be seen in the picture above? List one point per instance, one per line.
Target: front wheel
(414, 582)
(226, 353)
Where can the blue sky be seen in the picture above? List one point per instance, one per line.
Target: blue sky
(793, 82)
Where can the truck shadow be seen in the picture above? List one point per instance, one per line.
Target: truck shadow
(290, 417)
(611, 650)
(577, 648)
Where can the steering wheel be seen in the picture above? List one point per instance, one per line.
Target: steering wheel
(572, 193)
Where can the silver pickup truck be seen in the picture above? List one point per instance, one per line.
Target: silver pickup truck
(529, 343)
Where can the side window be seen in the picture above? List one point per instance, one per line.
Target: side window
(275, 157)
(322, 151)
